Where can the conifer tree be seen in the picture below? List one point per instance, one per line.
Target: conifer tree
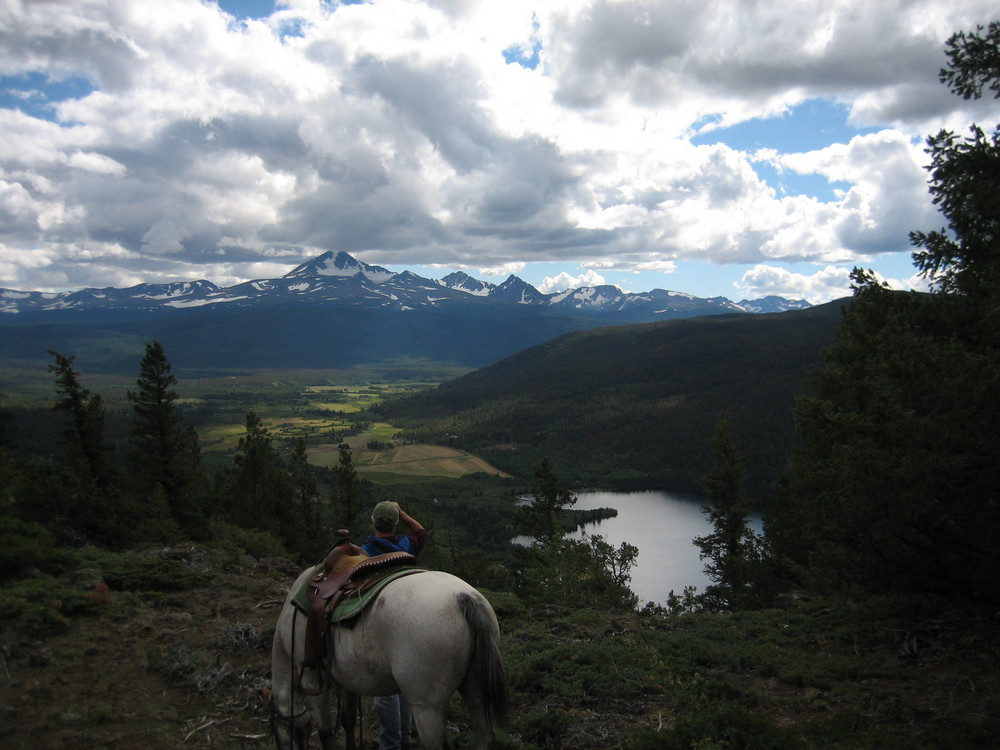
(260, 493)
(895, 484)
(347, 494)
(90, 502)
(569, 571)
(312, 539)
(732, 550)
(164, 450)
(540, 519)
(90, 454)
(5, 431)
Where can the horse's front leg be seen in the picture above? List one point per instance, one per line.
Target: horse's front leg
(326, 730)
(348, 708)
(289, 732)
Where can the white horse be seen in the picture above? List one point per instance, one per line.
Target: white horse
(427, 635)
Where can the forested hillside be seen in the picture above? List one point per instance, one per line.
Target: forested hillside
(285, 336)
(635, 405)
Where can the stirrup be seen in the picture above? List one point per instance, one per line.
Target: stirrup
(302, 689)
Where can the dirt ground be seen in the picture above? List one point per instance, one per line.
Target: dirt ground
(178, 670)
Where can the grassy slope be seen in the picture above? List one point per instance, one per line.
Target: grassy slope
(176, 653)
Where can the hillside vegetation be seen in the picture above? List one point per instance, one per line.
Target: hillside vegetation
(633, 405)
(168, 648)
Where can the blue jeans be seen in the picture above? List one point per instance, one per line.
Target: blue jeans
(394, 720)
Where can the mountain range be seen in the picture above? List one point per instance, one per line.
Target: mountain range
(330, 312)
(343, 280)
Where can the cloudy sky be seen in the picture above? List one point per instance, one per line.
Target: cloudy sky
(716, 147)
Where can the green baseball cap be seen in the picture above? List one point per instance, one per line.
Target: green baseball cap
(386, 510)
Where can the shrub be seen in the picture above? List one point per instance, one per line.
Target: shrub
(23, 545)
(44, 605)
(141, 572)
(254, 542)
(726, 727)
(544, 728)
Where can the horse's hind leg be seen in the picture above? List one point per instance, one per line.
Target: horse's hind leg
(472, 697)
(430, 725)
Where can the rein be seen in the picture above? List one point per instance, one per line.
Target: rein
(289, 721)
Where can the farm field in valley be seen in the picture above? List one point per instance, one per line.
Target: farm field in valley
(407, 461)
(325, 408)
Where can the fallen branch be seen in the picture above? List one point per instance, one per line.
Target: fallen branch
(204, 726)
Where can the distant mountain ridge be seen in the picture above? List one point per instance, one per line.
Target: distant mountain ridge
(333, 311)
(341, 279)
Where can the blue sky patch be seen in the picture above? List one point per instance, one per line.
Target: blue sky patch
(514, 55)
(248, 8)
(812, 125)
(36, 94)
(788, 182)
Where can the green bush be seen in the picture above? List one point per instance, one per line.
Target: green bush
(23, 545)
(40, 606)
(543, 728)
(504, 603)
(137, 572)
(726, 727)
(253, 542)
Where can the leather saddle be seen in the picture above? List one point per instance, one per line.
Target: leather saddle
(346, 568)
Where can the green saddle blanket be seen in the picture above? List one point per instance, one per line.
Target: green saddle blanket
(353, 601)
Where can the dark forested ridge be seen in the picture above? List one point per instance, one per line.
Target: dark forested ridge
(635, 404)
(285, 336)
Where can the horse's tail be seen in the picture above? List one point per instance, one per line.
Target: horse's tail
(486, 659)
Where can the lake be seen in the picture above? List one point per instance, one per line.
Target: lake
(662, 526)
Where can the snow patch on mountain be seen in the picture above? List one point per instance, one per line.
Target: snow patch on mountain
(183, 303)
(772, 304)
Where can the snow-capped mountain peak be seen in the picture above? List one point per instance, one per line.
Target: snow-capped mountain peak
(461, 281)
(342, 280)
(519, 291)
(339, 265)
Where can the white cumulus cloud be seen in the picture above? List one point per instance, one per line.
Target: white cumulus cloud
(462, 134)
(564, 281)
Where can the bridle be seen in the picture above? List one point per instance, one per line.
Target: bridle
(276, 717)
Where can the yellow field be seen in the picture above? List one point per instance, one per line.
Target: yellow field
(408, 460)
